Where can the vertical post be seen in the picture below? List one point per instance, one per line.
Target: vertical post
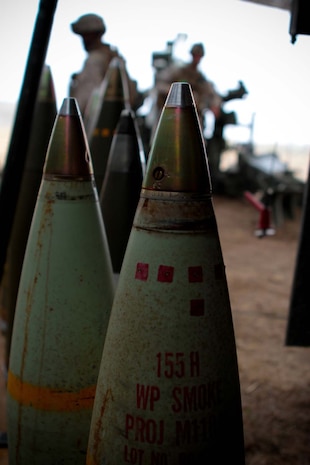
(13, 170)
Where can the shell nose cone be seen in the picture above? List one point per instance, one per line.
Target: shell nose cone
(178, 160)
(180, 95)
(69, 107)
(68, 154)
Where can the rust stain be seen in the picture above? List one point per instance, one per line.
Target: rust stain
(43, 225)
(94, 456)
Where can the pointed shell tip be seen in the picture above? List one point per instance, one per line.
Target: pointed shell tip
(180, 95)
(69, 107)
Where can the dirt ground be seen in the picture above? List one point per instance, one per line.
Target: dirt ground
(275, 379)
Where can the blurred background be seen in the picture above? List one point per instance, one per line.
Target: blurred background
(243, 41)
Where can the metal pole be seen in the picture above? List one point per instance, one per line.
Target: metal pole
(13, 170)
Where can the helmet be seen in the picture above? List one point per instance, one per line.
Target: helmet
(198, 49)
(88, 23)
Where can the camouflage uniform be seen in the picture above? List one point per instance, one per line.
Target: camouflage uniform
(204, 92)
(96, 64)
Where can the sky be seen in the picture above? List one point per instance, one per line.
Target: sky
(243, 41)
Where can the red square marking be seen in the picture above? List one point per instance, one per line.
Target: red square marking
(195, 274)
(165, 274)
(142, 271)
(197, 307)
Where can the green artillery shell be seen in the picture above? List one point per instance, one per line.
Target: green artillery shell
(121, 187)
(63, 306)
(168, 388)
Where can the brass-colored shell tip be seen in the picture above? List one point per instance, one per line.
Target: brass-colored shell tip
(68, 155)
(69, 107)
(116, 81)
(180, 95)
(178, 161)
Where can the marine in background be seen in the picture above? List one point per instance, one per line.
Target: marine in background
(205, 94)
(92, 28)
(208, 101)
